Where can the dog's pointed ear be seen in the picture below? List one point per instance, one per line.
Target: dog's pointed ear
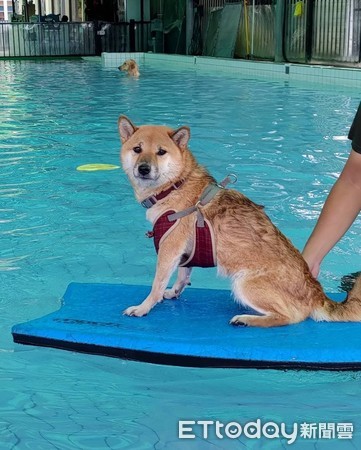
(181, 137)
(126, 128)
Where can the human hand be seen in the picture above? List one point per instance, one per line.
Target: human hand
(313, 265)
(315, 269)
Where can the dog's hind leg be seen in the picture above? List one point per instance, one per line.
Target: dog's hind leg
(183, 280)
(268, 320)
(274, 306)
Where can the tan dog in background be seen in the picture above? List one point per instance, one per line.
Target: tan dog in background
(268, 273)
(131, 67)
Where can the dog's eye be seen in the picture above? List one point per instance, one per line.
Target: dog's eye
(137, 149)
(161, 152)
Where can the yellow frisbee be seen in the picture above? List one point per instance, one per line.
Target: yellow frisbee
(94, 167)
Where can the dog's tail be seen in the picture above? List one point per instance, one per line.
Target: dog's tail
(346, 311)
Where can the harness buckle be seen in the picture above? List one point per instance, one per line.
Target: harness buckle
(231, 178)
(149, 202)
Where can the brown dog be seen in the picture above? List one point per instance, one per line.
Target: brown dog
(131, 67)
(268, 274)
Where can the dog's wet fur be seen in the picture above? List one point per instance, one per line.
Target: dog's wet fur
(131, 67)
(267, 272)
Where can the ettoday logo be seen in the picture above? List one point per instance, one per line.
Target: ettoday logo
(195, 429)
(233, 430)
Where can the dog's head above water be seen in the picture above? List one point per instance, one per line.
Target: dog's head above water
(131, 67)
(153, 156)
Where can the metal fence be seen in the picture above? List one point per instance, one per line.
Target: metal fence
(320, 31)
(295, 31)
(207, 7)
(72, 39)
(256, 35)
(46, 39)
(336, 30)
(323, 31)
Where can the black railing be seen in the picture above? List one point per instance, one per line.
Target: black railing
(20, 39)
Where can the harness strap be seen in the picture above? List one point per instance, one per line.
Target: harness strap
(207, 195)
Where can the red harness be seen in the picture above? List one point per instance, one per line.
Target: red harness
(203, 253)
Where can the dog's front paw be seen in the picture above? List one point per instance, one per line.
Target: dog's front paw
(136, 311)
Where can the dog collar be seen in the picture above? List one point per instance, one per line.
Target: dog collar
(153, 199)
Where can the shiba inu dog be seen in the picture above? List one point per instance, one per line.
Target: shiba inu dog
(268, 273)
(131, 67)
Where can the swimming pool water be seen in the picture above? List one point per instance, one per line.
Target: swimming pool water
(287, 144)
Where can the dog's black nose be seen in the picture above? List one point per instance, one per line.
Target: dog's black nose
(144, 169)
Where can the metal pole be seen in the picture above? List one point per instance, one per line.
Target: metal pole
(39, 9)
(142, 46)
(309, 30)
(132, 35)
(279, 30)
(189, 24)
(70, 9)
(252, 34)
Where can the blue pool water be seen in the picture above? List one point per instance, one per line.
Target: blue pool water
(286, 142)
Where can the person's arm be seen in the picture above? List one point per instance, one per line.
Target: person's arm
(339, 212)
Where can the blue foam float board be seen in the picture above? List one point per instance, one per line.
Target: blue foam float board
(193, 330)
